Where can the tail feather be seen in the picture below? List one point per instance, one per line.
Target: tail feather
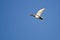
(41, 18)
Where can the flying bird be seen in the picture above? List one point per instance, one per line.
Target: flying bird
(38, 14)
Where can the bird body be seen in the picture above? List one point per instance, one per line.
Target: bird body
(38, 14)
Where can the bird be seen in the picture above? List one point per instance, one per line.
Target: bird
(38, 14)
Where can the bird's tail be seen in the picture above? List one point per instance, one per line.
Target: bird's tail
(41, 18)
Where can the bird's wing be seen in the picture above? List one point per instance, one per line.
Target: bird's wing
(40, 12)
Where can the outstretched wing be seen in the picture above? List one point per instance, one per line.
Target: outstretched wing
(40, 12)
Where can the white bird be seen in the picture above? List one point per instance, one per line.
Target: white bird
(38, 14)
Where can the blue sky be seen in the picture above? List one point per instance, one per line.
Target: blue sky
(16, 24)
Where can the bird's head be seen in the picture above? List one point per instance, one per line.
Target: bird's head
(32, 15)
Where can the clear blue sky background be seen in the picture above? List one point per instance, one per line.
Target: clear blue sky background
(16, 24)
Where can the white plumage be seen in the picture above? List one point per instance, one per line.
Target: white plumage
(38, 14)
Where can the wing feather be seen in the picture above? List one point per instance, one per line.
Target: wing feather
(40, 12)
